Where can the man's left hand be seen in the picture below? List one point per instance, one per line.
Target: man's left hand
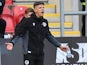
(64, 48)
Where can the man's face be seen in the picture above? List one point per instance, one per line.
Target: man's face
(28, 15)
(39, 10)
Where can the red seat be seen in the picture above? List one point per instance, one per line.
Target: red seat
(6, 10)
(17, 11)
(19, 18)
(8, 2)
(9, 23)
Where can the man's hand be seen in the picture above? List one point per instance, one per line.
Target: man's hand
(9, 46)
(64, 48)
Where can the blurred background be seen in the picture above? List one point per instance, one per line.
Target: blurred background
(14, 11)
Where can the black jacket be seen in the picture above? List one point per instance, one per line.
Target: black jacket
(38, 31)
(2, 3)
(2, 28)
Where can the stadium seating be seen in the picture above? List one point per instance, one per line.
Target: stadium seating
(33, 0)
(6, 10)
(50, 14)
(52, 17)
(57, 25)
(54, 25)
(49, 8)
(19, 18)
(66, 33)
(28, 1)
(18, 11)
(8, 2)
(9, 23)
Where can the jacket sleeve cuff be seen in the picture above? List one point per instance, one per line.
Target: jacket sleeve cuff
(14, 40)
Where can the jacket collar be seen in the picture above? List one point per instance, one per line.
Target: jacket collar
(35, 17)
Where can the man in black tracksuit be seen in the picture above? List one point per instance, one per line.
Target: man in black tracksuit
(27, 14)
(38, 31)
(83, 17)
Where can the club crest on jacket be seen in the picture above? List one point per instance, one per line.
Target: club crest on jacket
(33, 23)
(44, 24)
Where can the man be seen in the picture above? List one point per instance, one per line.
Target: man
(38, 30)
(83, 2)
(27, 14)
(2, 27)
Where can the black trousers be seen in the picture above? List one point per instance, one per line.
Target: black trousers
(33, 59)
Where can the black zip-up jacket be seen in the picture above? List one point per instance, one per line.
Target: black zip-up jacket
(38, 31)
(2, 3)
(2, 27)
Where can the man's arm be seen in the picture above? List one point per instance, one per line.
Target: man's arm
(19, 32)
(56, 43)
(52, 39)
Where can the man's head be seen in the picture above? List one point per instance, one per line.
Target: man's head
(28, 12)
(39, 8)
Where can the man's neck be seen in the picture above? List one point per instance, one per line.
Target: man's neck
(39, 16)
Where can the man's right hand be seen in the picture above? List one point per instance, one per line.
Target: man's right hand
(9, 46)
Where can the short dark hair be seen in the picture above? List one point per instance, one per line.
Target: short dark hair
(29, 10)
(38, 3)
